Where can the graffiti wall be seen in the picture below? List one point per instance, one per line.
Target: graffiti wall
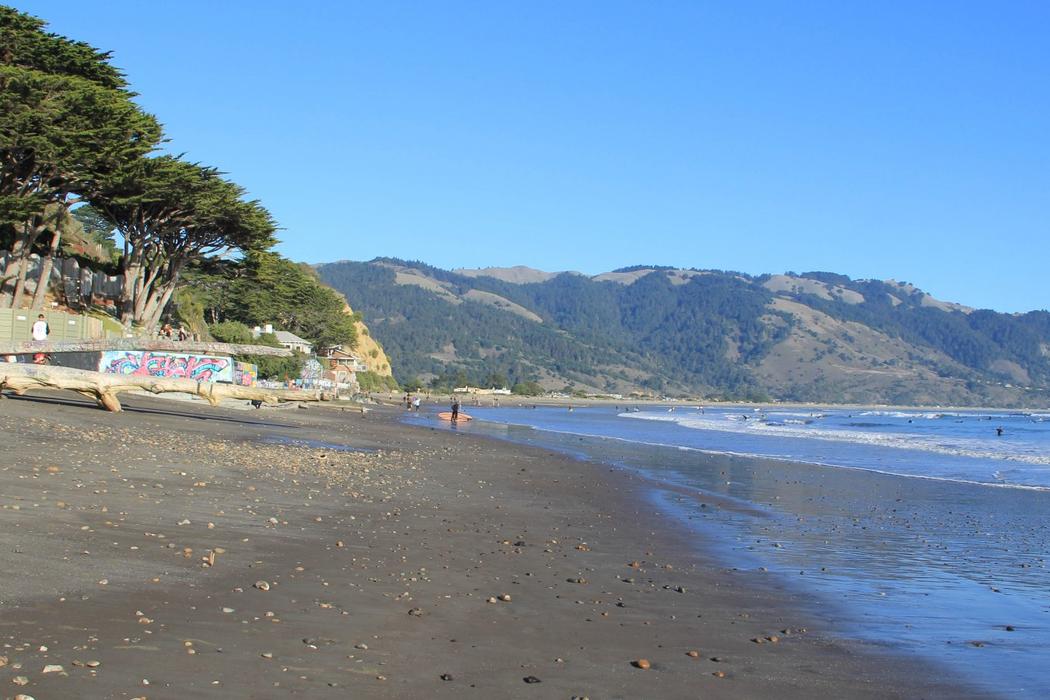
(170, 365)
(245, 373)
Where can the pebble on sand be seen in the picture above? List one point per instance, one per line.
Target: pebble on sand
(642, 664)
(693, 653)
(262, 585)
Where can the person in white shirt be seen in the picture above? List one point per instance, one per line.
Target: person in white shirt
(40, 328)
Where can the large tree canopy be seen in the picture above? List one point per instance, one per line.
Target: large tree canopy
(267, 288)
(170, 212)
(66, 122)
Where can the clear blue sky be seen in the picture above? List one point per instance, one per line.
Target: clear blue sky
(889, 140)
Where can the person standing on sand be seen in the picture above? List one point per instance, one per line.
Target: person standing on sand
(415, 404)
(40, 329)
(455, 410)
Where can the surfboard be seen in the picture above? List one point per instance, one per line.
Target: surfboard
(447, 415)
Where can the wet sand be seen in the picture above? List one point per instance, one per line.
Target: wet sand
(180, 551)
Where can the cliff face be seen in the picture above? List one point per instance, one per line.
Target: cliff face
(369, 349)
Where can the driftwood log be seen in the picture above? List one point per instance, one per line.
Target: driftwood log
(23, 347)
(103, 388)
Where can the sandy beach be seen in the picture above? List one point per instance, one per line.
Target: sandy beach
(176, 550)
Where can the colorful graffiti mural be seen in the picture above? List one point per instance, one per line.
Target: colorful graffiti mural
(171, 365)
(245, 373)
(311, 370)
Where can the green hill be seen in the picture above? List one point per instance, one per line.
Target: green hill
(810, 337)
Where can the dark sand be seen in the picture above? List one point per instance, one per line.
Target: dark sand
(379, 568)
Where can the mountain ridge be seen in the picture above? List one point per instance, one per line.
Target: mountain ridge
(816, 336)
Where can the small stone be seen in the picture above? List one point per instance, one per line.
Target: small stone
(693, 653)
(505, 597)
(266, 655)
(531, 679)
(184, 521)
(362, 647)
(23, 696)
(416, 612)
(20, 680)
(228, 610)
(718, 674)
(773, 638)
(446, 676)
(3, 661)
(642, 664)
(53, 668)
(262, 585)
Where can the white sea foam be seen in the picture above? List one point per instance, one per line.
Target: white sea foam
(943, 445)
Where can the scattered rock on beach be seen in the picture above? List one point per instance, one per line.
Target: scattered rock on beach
(261, 585)
(446, 676)
(642, 664)
(531, 679)
(20, 680)
(693, 653)
(416, 612)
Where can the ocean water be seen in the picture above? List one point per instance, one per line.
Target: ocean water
(916, 532)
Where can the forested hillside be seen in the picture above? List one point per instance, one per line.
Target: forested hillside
(815, 336)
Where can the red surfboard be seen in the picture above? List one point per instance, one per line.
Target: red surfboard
(447, 415)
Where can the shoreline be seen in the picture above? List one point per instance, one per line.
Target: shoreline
(396, 399)
(432, 521)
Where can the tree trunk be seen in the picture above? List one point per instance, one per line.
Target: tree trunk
(11, 268)
(44, 280)
(104, 388)
(160, 296)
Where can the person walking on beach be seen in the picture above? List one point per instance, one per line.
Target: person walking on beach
(455, 410)
(40, 329)
(415, 404)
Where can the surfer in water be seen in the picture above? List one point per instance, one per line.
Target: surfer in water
(999, 431)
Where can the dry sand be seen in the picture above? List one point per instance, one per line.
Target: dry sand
(180, 551)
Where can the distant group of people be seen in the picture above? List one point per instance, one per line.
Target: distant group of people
(179, 334)
(412, 403)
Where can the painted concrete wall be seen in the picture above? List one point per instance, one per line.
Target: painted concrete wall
(171, 365)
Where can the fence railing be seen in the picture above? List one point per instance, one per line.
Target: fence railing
(16, 324)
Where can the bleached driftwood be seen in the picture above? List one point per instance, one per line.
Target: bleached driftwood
(104, 388)
(154, 345)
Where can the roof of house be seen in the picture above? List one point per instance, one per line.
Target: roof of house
(289, 337)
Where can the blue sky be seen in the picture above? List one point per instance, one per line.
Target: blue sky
(890, 140)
